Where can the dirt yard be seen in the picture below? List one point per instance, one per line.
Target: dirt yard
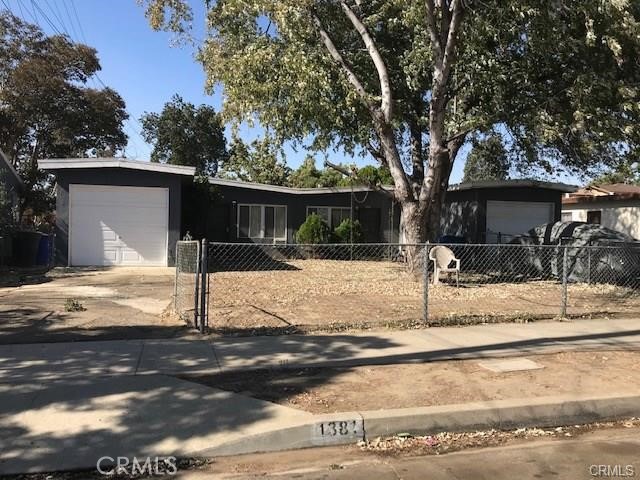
(328, 390)
(329, 295)
(86, 304)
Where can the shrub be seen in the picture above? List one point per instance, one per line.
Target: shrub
(348, 232)
(313, 231)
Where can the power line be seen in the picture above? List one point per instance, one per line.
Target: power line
(75, 14)
(73, 28)
(58, 18)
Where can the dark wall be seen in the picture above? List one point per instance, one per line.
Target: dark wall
(374, 208)
(118, 177)
(464, 212)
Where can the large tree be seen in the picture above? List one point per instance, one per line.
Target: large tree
(410, 80)
(183, 134)
(46, 108)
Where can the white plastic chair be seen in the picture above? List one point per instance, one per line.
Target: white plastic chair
(442, 257)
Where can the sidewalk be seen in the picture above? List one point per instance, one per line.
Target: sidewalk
(81, 360)
(63, 406)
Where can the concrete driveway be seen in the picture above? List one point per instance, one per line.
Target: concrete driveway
(119, 303)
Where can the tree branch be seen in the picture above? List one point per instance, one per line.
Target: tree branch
(353, 175)
(378, 61)
(381, 123)
(452, 38)
(433, 31)
(337, 56)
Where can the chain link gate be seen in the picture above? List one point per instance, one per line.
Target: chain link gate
(191, 289)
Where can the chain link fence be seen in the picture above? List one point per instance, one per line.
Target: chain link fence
(257, 288)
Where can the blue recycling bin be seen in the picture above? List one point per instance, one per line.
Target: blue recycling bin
(43, 256)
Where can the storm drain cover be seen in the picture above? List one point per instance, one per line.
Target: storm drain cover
(503, 365)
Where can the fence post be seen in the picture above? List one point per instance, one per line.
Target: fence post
(196, 291)
(565, 266)
(589, 264)
(203, 288)
(425, 280)
(175, 283)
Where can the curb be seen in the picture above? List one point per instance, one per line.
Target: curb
(351, 427)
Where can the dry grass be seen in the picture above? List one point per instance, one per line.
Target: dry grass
(321, 295)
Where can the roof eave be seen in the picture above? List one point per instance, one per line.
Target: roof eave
(53, 164)
(562, 187)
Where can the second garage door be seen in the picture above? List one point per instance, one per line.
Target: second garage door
(505, 219)
(114, 225)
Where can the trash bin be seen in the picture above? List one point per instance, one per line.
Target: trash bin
(43, 257)
(25, 248)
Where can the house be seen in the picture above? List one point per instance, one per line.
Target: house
(120, 212)
(496, 211)
(615, 206)
(10, 186)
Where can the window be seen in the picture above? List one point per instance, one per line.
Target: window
(262, 221)
(332, 215)
(567, 217)
(594, 216)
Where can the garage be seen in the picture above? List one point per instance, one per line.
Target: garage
(506, 219)
(116, 211)
(116, 225)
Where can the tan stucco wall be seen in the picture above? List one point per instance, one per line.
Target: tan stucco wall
(624, 217)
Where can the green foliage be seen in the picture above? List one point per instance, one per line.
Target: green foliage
(624, 172)
(46, 109)
(183, 134)
(73, 305)
(487, 160)
(260, 162)
(308, 176)
(313, 231)
(348, 232)
(371, 175)
(560, 77)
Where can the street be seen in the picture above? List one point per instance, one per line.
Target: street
(612, 453)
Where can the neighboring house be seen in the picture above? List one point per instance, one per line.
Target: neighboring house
(123, 212)
(10, 184)
(615, 206)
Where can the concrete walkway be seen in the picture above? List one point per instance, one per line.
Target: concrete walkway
(81, 360)
(71, 425)
(64, 405)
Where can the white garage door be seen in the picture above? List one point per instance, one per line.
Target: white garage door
(113, 225)
(515, 218)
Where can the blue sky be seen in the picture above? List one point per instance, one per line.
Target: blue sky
(142, 65)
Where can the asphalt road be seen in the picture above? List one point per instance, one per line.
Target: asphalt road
(600, 454)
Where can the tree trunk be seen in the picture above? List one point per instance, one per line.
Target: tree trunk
(414, 222)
